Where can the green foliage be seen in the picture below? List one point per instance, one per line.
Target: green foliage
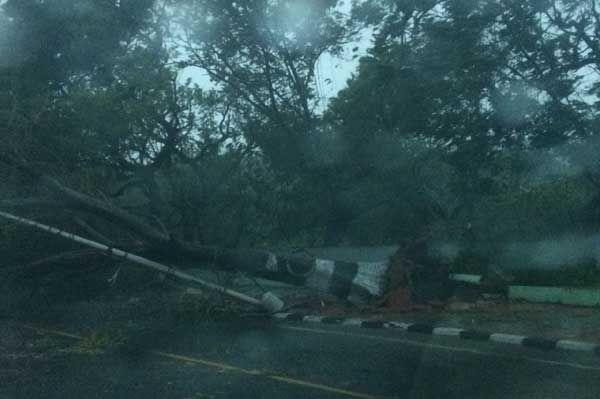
(263, 54)
(466, 121)
(583, 274)
(90, 34)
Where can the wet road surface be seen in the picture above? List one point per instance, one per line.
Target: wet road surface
(261, 359)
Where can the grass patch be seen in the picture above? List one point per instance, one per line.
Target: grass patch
(100, 342)
(584, 274)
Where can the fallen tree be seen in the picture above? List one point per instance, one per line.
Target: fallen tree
(354, 281)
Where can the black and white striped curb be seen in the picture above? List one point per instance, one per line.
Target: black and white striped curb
(465, 334)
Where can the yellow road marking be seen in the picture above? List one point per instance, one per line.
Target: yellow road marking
(276, 377)
(218, 365)
(52, 332)
(227, 367)
(442, 347)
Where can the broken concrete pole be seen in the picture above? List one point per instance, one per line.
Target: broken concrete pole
(268, 301)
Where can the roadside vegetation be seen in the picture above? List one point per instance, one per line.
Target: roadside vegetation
(470, 124)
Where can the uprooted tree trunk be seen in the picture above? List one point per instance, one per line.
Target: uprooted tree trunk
(354, 281)
(416, 275)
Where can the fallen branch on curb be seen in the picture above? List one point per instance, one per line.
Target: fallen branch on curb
(268, 301)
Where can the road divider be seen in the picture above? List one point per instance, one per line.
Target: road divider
(541, 343)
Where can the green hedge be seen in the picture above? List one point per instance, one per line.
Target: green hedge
(583, 274)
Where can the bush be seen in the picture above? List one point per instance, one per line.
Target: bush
(583, 274)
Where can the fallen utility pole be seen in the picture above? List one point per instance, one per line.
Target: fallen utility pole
(268, 301)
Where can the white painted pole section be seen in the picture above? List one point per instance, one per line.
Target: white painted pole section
(352, 322)
(398, 324)
(321, 276)
(507, 338)
(448, 331)
(144, 262)
(576, 345)
(466, 278)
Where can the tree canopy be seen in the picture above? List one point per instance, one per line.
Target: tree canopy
(463, 119)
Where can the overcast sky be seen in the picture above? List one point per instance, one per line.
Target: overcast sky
(332, 72)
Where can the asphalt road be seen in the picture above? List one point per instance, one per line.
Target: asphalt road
(261, 359)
